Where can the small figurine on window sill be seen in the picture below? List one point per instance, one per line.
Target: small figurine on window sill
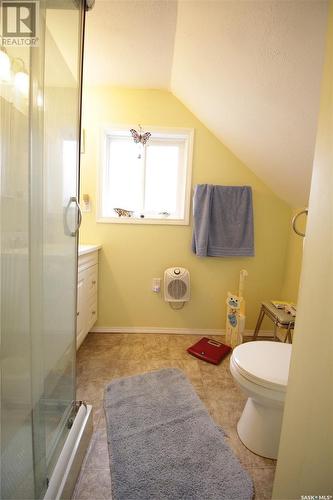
(123, 213)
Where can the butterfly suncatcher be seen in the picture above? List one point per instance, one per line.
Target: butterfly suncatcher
(140, 138)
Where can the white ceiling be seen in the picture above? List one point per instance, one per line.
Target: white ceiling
(249, 70)
(130, 43)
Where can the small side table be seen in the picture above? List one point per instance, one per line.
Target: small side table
(280, 318)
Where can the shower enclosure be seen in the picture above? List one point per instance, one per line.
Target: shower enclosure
(40, 95)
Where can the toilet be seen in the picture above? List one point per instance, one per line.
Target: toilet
(261, 370)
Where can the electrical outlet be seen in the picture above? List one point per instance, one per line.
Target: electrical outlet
(156, 285)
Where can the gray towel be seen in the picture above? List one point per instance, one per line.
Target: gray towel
(223, 221)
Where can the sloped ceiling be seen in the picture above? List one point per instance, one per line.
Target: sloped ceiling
(130, 43)
(249, 70)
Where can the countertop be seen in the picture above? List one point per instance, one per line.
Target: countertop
(84, 249)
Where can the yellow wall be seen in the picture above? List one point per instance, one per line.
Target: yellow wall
(294, 260)
(305, 461)
(133, 254)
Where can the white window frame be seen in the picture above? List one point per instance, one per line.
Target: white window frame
(186, 134)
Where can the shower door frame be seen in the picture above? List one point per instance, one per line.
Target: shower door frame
(42, 469)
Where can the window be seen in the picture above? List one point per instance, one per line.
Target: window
(152, 182)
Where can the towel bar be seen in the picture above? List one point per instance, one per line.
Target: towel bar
(293, 222)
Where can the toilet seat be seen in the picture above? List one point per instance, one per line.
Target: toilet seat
(264, 363)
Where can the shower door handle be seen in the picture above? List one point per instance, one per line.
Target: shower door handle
(79, 215)
(68, 231)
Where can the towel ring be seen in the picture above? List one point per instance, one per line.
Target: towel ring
(306, 211)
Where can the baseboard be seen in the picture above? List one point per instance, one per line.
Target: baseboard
(172, 331)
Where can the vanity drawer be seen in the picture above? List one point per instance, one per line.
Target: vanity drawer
(87, 260)
(92, 311)
(87, 287)
(91, 278)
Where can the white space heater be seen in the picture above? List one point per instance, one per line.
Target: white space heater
(176, 285)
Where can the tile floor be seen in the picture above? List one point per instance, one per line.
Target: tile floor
(103, 357)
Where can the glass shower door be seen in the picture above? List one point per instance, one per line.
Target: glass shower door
(17, 472)
(39, 221)
(54, 177)
(55, 268)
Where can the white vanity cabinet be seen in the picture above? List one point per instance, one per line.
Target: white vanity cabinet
(87, 286)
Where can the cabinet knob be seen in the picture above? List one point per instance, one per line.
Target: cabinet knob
(93, 282)
(77, 314)
(94, 312)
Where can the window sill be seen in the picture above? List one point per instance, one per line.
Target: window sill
(146, 220)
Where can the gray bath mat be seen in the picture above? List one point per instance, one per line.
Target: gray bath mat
(163, 445)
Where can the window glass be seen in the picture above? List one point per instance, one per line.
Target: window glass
(162, 169)
(125, 176)
(152, 182)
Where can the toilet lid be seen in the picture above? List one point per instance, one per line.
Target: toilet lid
(263, 362)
